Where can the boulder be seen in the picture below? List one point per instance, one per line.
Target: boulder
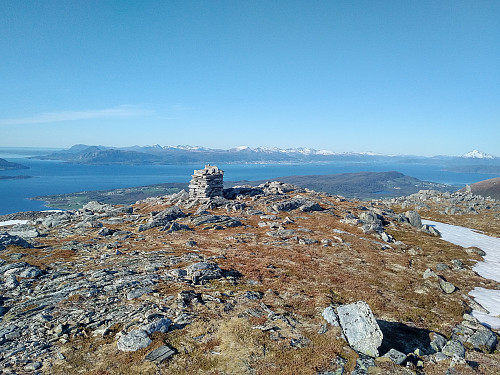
(134, 340)
(414, 219)
(7, 239)
(163, 218)
(484, 341)
(360, 328)
(24, 231)
(159, 325)
(454, 347)
(203, 271)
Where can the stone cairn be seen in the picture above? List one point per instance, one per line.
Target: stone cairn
(206, 183)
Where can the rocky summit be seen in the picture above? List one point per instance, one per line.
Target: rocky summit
(251, 280)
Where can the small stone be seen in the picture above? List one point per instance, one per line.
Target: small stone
(429, 273)
(33, 366)
(442, 267)
(446, 286)
(395, 356)
(454, 348)
(475, 250)
(457, 264)
(160, 354)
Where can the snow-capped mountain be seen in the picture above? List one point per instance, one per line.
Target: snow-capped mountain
(475, 154)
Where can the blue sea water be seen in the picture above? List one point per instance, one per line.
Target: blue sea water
(55, 177)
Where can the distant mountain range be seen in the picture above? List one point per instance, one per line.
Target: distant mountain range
(157, 154)
(475, 154)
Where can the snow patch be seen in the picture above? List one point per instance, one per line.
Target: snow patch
(489, 268)
(12, 222)
(475, 154)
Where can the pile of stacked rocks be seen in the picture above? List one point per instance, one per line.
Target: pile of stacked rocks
(206, 183)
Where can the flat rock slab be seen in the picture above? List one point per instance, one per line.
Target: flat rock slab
(160, 354)
(360, 328)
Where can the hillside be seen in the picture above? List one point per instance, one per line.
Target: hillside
(260, 281)
(362, 185)
(7, 165)
(486, 188)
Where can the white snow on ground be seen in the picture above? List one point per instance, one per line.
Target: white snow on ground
(12, 222)
(489, 269)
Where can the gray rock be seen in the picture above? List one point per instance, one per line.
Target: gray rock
(160, 354)
(475, 250)
(163, 218)
(136, 293)
(414, 219)
(395, 356)
(430, 230)
(484, 340)
(7, 239)
(457, 264)
(429, 273)
(105, 232)
(454, 347)
(330, 316)
(281, 233)
(442, 267)
(360, 328)
(31, 273)
(437, 341)
(159, 325)
(24, 230)
(134, 340)
(33, 366)
(222, 220)
(310, 207)
(203, 271)
(11, 282)
(175, 227)
(446, 286)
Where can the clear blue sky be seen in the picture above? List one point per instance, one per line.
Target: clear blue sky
(404, 77)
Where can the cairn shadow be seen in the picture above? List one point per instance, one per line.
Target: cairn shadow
(404, 338)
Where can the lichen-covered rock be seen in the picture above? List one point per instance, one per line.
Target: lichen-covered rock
(454, 347)
(446, 286)
(360, 328)
(484, 340)
(133, 341)
(395, 356)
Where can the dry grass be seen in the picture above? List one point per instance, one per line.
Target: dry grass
(297, 282)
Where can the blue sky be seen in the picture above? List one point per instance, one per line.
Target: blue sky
(397, 77)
